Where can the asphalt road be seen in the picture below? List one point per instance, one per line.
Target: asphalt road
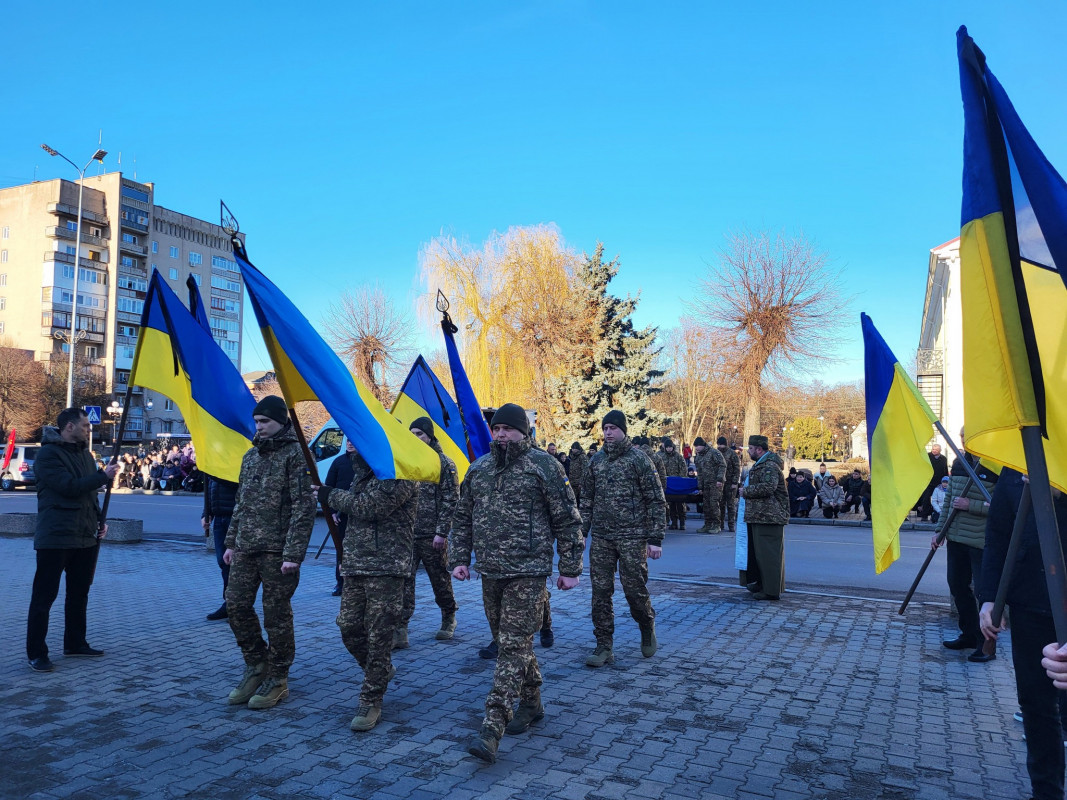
(819, 559)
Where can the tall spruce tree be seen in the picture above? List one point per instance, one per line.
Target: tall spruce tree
(612, 364)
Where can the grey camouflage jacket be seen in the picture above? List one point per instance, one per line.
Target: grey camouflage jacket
(621, 495)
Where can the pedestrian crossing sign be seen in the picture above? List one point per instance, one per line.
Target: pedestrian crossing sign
(93, 412)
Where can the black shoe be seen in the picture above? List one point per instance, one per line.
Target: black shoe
(222, 613)
(84, 650)
(484, 747)
(754, 587)
(672, 527)
(337, 590)
(867, 518)
(42, 664)
(961, 643)
(489, 651)
(547, 637)
(979, 657)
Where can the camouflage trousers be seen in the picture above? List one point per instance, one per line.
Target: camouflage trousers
(712, 497)
(370, 613)
(631, 556)
(728, 508)
(437, 572)
(514, 608)
(247, 572)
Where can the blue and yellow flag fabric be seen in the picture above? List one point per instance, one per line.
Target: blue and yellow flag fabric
(899, 424)
(423, 395)
(308, 369)
(474, 424)
(1013, 257)
(176, 357)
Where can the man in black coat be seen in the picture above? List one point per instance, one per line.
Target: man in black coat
(340, 476)
(940, 467)
(220, 496)
(68, 535)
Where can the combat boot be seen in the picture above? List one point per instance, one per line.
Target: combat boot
(484, 746)
(273, 691)
(548, 638)
(367, 717)
(601, 656)
(648, 641)
(253, 677)
(448, 626)
(525, 716)
(705, 529)
(400, 638)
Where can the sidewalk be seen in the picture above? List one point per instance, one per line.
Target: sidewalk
(806, 698)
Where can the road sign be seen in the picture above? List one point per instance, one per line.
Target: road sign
(93, 412)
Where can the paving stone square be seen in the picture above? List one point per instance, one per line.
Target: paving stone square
(812, 697)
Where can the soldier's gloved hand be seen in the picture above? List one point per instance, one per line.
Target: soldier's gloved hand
(654, 551)
(462, 573)
(440, 543)
(564, 583)
(289, 567)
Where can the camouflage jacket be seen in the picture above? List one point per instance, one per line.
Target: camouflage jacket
(711, 466)
(657, 461)
(622, 497)
(579, 466)
(733, 468)
(437, 501)
(275, 511)
(766, 496)
(675, 465)
(514, 503)
(381, 522)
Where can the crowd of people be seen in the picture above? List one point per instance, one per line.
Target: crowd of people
(823, 492)
(167, 470)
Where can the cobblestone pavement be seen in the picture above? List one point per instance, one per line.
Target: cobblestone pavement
(811, 697)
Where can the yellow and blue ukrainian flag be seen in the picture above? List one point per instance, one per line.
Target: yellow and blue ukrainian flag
(423, 395)
(474, 425)
(308, 369)
(178, 358)
(899, 424)
(1013, 253)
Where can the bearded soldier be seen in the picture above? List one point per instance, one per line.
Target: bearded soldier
(437, 501)
(265, 545)
(514, 503)
(711, 475)
(623, 507)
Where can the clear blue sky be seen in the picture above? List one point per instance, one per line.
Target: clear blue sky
(345, 139)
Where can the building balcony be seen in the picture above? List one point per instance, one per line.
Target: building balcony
(130, 247)
(72, 211)
(133, 226)
(65, 233)
(930, 362)
(67, 258)
(90, 337)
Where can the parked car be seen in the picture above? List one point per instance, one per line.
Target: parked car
(19, 470)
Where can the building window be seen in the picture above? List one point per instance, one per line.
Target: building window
(96, 232)
(196, 277)
(94, 255)
(90, 351)
(72, 226)
(3, 256)
(173, 274)
(130, 305)
(70, 250)
(3, 279)
(173, 252)
(220, 282)
(126, 261)
(68, 271)
(168, 405)
(1, 326)
(3, 303)
(129, 237)
(223, 263)
(155, 247)
(5, 233)
(195, 259)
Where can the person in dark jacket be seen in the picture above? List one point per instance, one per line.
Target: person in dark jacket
(1032, 628)
(219, 499)
(857, 493)
(801, 496)
(940, 467)
(68, 535)
(155, 474)
(171, 480)
(340, 476)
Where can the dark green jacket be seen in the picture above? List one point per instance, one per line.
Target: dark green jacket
(67, 481)
(621, 495)
(766, 496)
(514, 503)
(381, 522)
(968, 526)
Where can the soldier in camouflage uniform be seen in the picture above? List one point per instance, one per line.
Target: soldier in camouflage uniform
(579, 466)
(766, 513)
(514, 503)
(728, 502)
(265, 544)
(655, 457)
(711, 476)
(623, 506)
(675, 467)
(437, 501)
(376, 562)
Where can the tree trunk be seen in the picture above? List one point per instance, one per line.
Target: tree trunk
(752, 412)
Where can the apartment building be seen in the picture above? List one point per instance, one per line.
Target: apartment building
(125, 235)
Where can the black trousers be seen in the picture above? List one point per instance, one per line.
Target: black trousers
(51, 564)
(1039, 701)
(963, 564)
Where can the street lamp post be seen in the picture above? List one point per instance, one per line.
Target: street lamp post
(114, 411)
(74, 337)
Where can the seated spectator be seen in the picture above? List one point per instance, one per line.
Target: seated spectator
(937, 500)
(172, 476)
(155, 473)
(801, 496)
(831, 497)
(857, 493)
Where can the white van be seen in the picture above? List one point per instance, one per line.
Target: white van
(19, 470)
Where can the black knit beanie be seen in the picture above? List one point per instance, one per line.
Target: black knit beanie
(513, 416)
(616, 418)
(272, 407)
(721, 440)
(424, 424)
(700, 442)
(575, 446)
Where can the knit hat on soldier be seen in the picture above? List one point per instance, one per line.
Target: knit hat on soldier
(700, 442)
(758, 440)
(514, 416)
(272, 407)
(667, 443)
(616, 418)
(575, 446)
(424, 424)
(721, 440)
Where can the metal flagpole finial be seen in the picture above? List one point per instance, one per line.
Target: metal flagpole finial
(442, 302)
(227, 220)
